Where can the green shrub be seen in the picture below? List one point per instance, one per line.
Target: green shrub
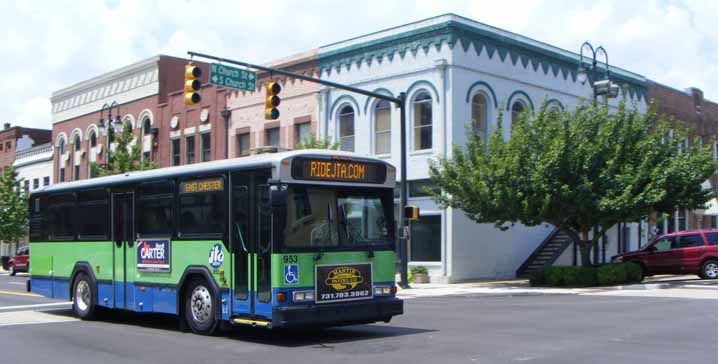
(611, 274)
(419, 270)
(554, 276)
(570, 276)
(634, 272)
(537, 278)
(587, 277)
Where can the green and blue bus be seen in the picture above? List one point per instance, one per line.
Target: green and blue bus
(276, 240)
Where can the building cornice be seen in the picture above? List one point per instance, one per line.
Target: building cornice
(105, 78)
(451, 30)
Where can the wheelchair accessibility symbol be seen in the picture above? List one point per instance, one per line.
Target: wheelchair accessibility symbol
(291, 274)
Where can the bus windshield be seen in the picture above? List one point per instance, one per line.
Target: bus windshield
(321, 218)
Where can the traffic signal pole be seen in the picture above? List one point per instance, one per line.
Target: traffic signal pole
(400, 102)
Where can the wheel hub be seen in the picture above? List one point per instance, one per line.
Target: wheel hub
(711, 270)
(201, 303)
(82, 295)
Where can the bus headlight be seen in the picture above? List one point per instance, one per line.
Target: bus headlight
(303, 296)
(382, 291)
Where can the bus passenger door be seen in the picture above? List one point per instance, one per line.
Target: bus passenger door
(251, 244)
(263, 254)
(241, 240)
(123, 238)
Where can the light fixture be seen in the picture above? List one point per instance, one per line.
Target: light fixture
(582, 75)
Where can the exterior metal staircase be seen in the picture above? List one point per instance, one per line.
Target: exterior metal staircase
(547, 252)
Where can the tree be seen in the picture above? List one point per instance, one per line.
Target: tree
(582, 169)
(13, 207)
(125, 157)
(316, 143)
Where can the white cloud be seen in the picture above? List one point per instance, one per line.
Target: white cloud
(50, 45)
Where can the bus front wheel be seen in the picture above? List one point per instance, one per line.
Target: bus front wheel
(200, 309)
(84, 303)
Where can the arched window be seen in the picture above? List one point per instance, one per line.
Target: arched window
(382, 127)
(146, 126)
(516, 109)
(93, 139)
(479, 115)
(423, 120)
(346, 128)
(77, 146)
(62, 146)
(76, 143)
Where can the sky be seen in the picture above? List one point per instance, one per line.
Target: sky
(51, 45)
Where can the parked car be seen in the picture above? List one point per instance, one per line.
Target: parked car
(21, 261)
(685, 252)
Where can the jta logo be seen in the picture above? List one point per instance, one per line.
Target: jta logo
(216, 257)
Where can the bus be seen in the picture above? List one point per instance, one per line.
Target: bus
(276, 240)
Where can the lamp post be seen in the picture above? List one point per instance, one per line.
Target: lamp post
(106, 129)
(226, 114)
(601, 87)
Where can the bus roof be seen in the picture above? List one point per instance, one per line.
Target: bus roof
(258, 160)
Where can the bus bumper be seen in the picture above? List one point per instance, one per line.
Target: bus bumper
(337, 314)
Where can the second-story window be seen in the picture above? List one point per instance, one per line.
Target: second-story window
(189, 149)
(479, 116)
(206, 146)
(423, 121)
(346, 128)
(382, 127)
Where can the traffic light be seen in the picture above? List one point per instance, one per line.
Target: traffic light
(192, 84)
(411, 212)
(272, 100)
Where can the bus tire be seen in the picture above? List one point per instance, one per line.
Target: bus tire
(200, 309)
(83, 302)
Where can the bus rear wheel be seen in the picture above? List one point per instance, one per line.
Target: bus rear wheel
(200, 309)
(84, 303)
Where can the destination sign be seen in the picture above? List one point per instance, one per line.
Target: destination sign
(205, 185)
(341, 170)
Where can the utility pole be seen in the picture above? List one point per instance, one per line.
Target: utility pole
(400, 102)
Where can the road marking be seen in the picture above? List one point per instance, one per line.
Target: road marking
(17, 283)
(31, 317)
(39, 305)
(25, 294)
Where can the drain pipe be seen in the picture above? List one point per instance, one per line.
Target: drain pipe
(441, 66)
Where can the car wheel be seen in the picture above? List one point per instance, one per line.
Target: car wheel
(709, 269)
(200, 309)
(84, 303)
(12, 270)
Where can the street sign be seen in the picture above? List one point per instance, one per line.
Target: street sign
(232, 77)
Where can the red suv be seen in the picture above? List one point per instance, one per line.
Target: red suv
(686, 252)
(21, 261)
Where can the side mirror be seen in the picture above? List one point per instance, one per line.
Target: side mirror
(278, 195)
(651, 248)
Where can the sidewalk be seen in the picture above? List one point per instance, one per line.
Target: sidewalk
(520, 287)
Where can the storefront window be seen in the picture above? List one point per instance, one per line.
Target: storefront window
(426, 239)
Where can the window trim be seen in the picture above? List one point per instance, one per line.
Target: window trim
(414, 126)
(341, 113)
(375, 132)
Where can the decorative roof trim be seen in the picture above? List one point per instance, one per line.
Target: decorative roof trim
(555, 102)
(519, 50)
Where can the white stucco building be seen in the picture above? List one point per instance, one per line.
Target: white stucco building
(453, 70)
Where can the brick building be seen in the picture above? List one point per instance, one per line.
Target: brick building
(15, 139)
(691, 109)
(298, 109)
(147, 96)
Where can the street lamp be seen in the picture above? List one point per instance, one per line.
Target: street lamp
(589, 73)
(106, 130)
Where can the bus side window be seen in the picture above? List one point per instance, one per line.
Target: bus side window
(93, 215)
(155, 212)
(37, 233)
(61, 210)
(202, 210)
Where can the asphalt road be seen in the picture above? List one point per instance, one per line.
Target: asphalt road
(458, 329)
